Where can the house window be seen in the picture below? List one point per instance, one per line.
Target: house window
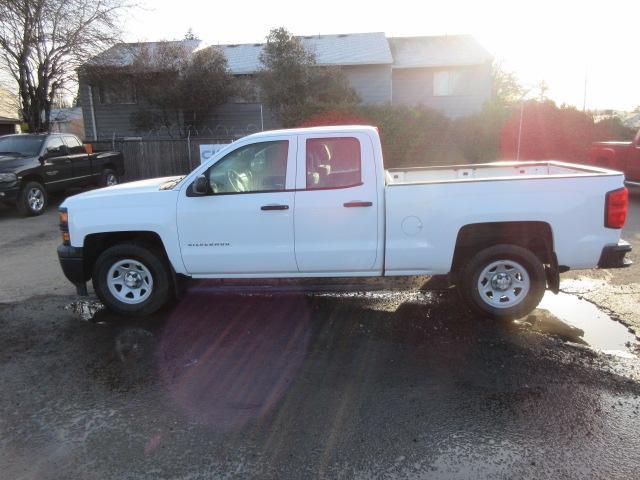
(117, 91)
(446, 82)
(333, 162)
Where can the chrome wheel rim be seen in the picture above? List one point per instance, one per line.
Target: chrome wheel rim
(130, 281)
(503, 284)
(111, 180)
(35, 198)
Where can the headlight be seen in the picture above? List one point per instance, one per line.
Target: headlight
(64, 226)
(8, 177)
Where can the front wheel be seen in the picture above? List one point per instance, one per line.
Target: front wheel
(32, 199)
(132, 279)
(503, 282)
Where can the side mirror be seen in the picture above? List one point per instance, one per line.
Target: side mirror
(201, 185)
(54, 152)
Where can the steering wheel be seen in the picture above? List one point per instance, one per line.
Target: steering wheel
(236, 181)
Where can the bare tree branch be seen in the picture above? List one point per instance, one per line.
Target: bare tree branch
(44, 42)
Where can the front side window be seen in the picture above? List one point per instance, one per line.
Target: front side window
(258, 167)
(333, 162)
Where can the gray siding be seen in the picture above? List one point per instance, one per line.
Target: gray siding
(231, 119)
(371, 82)
(414, 86)
(110, 120)
(237, 119)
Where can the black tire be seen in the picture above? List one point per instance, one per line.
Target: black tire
(152, 260)
(25, 202)
(468, 278)
(107, 176)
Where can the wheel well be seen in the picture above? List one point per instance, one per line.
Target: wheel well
(534, 236)
(32, 178)
(97, 243)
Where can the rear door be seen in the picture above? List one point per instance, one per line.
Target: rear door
(81, 164)
(58, 169)
(336, 215)
(244, 226)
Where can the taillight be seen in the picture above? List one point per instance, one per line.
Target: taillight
(615, 209)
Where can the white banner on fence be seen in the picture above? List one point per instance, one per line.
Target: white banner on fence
(208, 151)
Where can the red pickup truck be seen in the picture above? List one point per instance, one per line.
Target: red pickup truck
(621, 156)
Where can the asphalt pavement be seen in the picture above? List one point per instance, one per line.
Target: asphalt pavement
(393, 384)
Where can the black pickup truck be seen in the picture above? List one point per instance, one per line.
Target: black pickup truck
(34, 165)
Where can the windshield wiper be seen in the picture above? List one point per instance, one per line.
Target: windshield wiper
(12, 153)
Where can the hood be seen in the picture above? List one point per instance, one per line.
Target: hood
(125, 189)
(9, 163)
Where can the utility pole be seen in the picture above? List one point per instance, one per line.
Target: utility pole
(584, 97)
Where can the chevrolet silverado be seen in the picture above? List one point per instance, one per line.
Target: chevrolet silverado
(317, 202)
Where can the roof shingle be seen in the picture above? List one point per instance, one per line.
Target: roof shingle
(345, 49)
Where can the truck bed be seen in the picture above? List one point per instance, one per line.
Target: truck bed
(490, 171)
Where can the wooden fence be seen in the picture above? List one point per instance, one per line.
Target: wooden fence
(158, 158)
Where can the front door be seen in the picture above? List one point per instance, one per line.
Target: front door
(336, 218)
(244, 225)
(79, 160)
(58, 169)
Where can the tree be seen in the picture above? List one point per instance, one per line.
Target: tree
(543, 88)
(43, 42)
(175, 86)
(293, 84)
(506, 86)
(190, 35)
(612, 128)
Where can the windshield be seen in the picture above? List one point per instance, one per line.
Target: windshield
(24, 145)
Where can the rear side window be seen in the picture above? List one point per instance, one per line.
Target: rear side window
(73, 144)
(333, 162)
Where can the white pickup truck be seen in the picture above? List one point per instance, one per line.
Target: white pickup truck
(317, 202)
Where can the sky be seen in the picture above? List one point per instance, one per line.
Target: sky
(560, 42)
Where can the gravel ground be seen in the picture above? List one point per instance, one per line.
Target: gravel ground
(388, 384)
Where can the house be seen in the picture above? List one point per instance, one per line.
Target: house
(9, 126)
(9, 122)
(449, 73)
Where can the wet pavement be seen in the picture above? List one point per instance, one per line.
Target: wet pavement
(400, 383)
(293, 385)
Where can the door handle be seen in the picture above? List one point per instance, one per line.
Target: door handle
(357, 203)
(274, 207)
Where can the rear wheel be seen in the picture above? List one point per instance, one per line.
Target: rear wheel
(132, 279)
(109, 178)
(32, 199)
(503, 282)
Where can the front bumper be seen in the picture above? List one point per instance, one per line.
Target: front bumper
(9, 194)
(613, 256)
(72, 263)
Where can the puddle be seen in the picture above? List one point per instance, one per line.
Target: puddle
(580, 321)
